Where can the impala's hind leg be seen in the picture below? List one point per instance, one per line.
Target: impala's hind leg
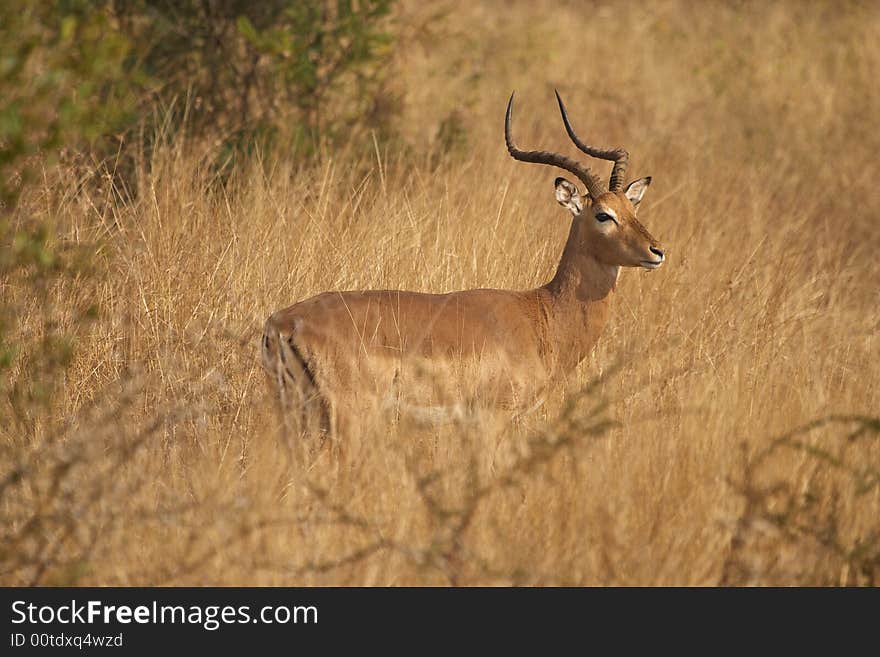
(298, 375)
(305, 411)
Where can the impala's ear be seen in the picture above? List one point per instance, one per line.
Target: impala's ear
(569, 196)
(636, 189)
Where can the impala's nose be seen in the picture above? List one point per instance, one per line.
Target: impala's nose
(658, 252)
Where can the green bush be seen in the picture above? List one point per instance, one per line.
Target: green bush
(245, 67)
(63, 82)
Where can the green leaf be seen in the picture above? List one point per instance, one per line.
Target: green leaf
(247, 30)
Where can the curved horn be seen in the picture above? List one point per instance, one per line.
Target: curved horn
(617, 155)
(594, 185)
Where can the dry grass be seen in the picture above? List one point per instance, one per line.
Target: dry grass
(656, 464)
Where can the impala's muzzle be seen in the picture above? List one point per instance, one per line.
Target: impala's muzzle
(658, 259)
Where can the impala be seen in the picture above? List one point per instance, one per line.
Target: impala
(504, 347)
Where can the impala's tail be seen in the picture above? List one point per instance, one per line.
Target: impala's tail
(294, 378)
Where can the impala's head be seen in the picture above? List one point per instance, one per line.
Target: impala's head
(609, 227)
(605, 218)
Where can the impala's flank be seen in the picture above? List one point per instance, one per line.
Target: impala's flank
(442, 353)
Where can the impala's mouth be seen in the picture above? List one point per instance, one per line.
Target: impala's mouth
(651, 264)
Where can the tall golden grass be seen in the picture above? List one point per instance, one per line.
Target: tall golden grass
(681, 452)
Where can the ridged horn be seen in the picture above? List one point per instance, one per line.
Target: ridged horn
(592, 182)
(617, 155)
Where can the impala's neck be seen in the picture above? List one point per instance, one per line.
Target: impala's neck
(580, 277)
(579, 300)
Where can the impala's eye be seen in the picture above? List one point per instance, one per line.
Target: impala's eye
(603, 216)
